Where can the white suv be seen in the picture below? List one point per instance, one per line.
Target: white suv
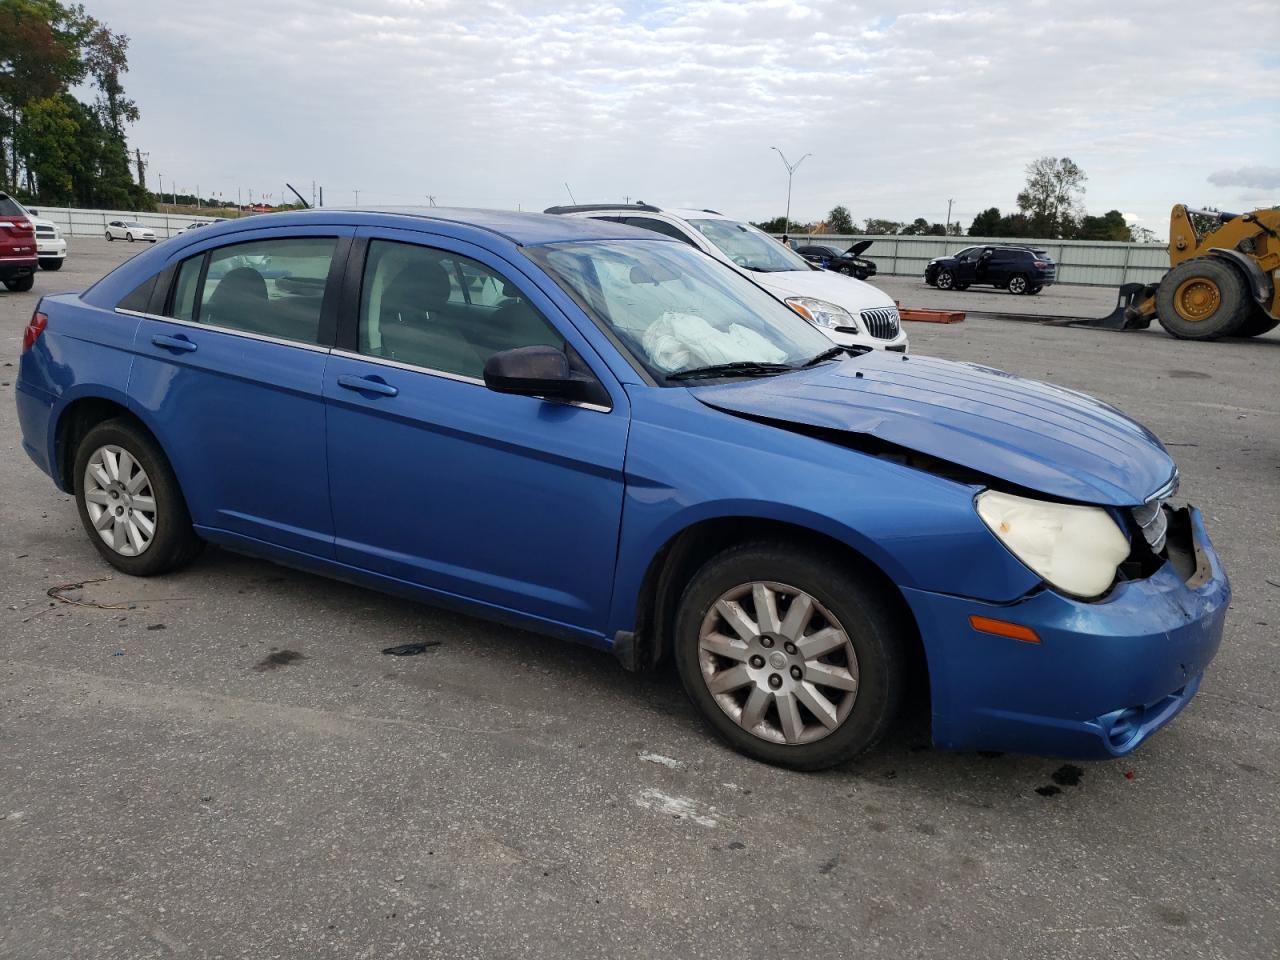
(848, 311)
(51, 249)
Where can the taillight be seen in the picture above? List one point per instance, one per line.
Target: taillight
(34, 328)
(1042, 264)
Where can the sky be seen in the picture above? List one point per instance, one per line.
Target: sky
(902, 106)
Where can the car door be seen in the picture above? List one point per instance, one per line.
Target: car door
(510, 501)
(232, 374)
(962, 269)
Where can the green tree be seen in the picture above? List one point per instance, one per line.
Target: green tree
(47, 139)
(1053, 198)
(986, 223)
(881, 228)
(839, 220)
(1109, 226)
(776, 225)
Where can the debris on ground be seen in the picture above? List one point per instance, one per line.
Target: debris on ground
(410, 649)
(58, 593)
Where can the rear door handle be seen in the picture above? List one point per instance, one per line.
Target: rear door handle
(367, 385)
(181, 344)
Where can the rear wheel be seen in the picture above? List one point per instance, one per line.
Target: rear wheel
(109, 235)
(1018, 283)
(1203, 299)
(130, 503)
(946, 280)
(22, 284)
(129, 237)
(791, 657)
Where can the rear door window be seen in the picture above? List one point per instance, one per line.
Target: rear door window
(273, 288)
(659, 226)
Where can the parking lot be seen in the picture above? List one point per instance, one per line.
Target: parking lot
(221, 763)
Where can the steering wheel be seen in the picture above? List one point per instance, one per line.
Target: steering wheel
(740, 260)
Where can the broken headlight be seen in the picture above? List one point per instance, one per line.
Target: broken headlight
(1076, 549)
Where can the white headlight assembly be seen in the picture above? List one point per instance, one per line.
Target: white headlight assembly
(1076, 549)
(823, 314)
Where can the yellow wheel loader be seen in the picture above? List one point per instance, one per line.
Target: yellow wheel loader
(1224, 283)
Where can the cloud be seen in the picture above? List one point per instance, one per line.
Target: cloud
(904, 104)
(1261, 178)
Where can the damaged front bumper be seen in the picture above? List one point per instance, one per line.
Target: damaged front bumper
(1104, 676)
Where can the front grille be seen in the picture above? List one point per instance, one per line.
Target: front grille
(881, 322)
(1151, 517)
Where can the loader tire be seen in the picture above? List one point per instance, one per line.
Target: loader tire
(1257, 323)
(1203, 299)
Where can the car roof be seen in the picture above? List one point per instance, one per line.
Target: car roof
(522, 229)
(683, 213)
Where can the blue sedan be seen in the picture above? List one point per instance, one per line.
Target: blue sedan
(596, 432)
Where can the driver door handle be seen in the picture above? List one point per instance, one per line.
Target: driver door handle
(179, 344)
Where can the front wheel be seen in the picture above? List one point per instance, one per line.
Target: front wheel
(52, 263)
(109, 235)
(129, 237)
(22, 284)
(1018, 284)
(791, 657)
(946, 280)
(130, 503)
(1203, 298)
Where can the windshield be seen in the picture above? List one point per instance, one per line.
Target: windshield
(748, 247)
(10, 208)
(676, 309)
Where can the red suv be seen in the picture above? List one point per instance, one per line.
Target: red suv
(17, 246)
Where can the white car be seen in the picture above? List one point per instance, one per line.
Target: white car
(130, 230)
(51, 249)
(850, 312)
(197, 224)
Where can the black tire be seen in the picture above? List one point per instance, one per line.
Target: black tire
(51, 263)
(109, 237)
(174, 543)
(946, 280)
(877, 634)
(1257, 323)
(22, 284)
(1227, 311)
(847, 271)
(1018, 284)
(129, 237)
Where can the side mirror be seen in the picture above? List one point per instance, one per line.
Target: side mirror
(34, 213)
(536, 371)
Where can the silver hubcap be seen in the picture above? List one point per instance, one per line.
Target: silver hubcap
(122, 506)
(944, 281)
(1017, 284)
(778, 663)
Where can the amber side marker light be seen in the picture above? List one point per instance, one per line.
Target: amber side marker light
(1002, 628)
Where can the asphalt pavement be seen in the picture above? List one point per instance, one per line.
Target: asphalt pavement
(222, 763)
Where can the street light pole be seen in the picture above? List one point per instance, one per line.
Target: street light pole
(791, 169)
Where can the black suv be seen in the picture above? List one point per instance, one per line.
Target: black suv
(849, 263)
(1017, 268)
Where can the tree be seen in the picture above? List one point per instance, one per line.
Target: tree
(1109, 226)
(1053, 198)
(916, 228)
(1143, 235)
(881, 228)
(776, 225)
(840, 221)
(986, 223)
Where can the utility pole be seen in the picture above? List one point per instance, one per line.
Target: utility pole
(791, 169)
(949, 203)
(322, 196)
(357, 198)
(431, 199)
(161, 189)
(197, 196)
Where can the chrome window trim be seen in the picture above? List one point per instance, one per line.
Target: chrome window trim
(262, 337)
(457, 377)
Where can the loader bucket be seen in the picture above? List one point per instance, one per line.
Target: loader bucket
(1129, 313)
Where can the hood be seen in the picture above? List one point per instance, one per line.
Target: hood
(854, 295)
(1044, 438)
(859, 247)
